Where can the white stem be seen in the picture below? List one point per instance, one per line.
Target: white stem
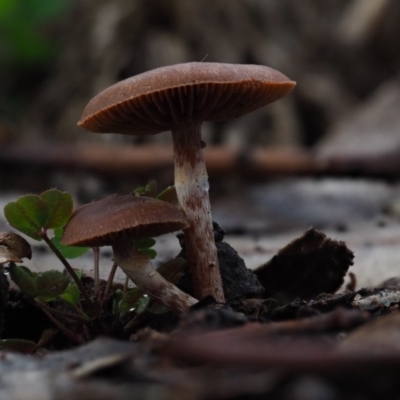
(139, 268)
(191, 183)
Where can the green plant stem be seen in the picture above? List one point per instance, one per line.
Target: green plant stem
(68, 267)
(67, 332)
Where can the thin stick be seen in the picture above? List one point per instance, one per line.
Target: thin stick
(65, 314)
(67, 332)
(96, 257)
(109, 282)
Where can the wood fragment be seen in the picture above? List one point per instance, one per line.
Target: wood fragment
(111, 160)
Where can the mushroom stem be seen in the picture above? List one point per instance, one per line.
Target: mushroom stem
(191, 183)
(139, 268)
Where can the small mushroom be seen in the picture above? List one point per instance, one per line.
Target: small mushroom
(13, 248)
(179, 98)
(119, 220)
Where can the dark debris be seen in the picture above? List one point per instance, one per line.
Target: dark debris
(237, 279)
(308, 266)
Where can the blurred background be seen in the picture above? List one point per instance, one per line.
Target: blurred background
(327, 155)
(57, 54)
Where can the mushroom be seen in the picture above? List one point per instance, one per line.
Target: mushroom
(179, 98)
(13, 248)
(117, 221)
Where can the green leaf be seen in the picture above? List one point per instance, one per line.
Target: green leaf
(150, 252)
(142, 304)
(32, 11)
(144, 243)
(129, 300)
(20, 345)
(60, 207)
(28, 214)
(71, 294)
(78, 273)
(118, 295)
(45, 11)
(51, 284)
(169, 195)
(68, 252)
(24, 278)
(139, 191)
(23, 25)
(149, 190)
(6, 6)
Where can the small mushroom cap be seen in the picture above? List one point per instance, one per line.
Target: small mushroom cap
(158, 100)
(13, 248)
(101, 222)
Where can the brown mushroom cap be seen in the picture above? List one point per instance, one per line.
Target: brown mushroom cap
(162, 98)
(99, 223)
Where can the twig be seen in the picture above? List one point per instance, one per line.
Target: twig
(109, 282)
(64, 314)
(256, 345)
(96, 254)
(67, 332)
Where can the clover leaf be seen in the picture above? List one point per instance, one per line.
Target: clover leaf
(51, 284)
(68, 252)
(32, 214)
(60, 207)
(24, 278)
(28, 214)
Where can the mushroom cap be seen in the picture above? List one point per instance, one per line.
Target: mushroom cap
(101, 222)
(158, 100)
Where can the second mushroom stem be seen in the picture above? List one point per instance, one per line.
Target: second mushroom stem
(191, 183)
(138, 267)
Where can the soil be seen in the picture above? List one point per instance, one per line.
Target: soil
(283, 333)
